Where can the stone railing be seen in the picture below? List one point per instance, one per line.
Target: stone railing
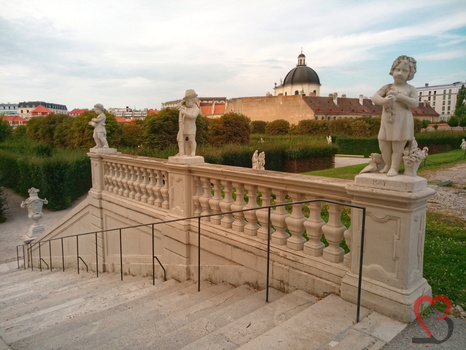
(305, 244)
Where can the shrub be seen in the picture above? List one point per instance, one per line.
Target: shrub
(229, 128)
(258, 126)
(277, 127)
(132, 133)
(313, 127)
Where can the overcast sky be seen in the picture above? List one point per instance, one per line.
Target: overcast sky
(141, 53)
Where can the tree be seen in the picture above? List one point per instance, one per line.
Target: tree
(5, 130)
(132, 133)
(230, 128)
(277, 127)
(453, 121)
(460, 98)
(258, 126)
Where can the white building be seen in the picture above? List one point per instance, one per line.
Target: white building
(441, 97)
(8, 109)
(25, 108)
(301, 80)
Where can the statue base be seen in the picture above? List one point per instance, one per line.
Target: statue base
(104, 150)
(186, 159)
(399, 183)
(34, 231)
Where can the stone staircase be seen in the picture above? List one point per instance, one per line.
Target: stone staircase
(66, 310)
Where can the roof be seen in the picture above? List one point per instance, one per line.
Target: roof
(301, 75)
(13, 119)
(78, 111)
(41, 109)
(213, 109)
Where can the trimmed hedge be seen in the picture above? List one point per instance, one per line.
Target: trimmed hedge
(61, 178)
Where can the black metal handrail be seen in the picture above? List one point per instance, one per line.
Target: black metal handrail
(198, 218)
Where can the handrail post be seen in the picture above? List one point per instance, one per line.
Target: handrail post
(17, 256)
(62, 255)
(50, 254)
(32, 260)
(121, 257)
(153, 255)
(96, 256)
(40, 259)
(268, 256)
(361, 257)
(24, 258)
(77, 251)
(199, 254)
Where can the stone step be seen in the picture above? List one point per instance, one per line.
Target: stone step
(311, 329)
(202, 326)
(94, 324)
(59, 308)
(254, 324)
(90, 288)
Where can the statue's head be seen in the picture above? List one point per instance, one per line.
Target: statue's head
(411, 63)
(99, 107)
(33, 190)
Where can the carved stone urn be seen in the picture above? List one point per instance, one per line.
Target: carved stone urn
(34, 205)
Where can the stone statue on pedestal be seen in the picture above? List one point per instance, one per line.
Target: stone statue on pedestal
(34, 205)
(100, 134)
(186, 137)
(397, 124)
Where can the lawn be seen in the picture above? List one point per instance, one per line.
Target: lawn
(445, 242)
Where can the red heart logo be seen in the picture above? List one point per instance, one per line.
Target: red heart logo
(433, 301)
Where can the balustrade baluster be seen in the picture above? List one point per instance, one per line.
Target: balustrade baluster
(225, 204)
(278, 218)
(151, 187)
(348, 234)
(263, 214)
(106, 176)
(239, 204)
(131, 181)
(143, 184)
(214, 202)
(333, 231)
(164, 190)
(158, 189)
(205, 198)
(251, 227)
(295, 223)
(113, 177)
(137, 183)
(197, 194)
(314, 232)
(126, 177)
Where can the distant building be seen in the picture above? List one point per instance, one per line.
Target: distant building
(129, 113)
(298, 107)
(301, 80)
(40, 111)
(76, 112)
(441, 97)
(25, 108)
(14, 120)
(210, 106)
(8, 109)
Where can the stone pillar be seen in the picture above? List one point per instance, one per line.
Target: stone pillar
(393, 245)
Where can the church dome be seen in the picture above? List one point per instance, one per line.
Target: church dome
(301, 74)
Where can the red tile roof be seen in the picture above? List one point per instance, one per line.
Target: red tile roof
(41, 110)
(78, 111)
(14, 119)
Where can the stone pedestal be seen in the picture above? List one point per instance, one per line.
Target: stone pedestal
(393, 245)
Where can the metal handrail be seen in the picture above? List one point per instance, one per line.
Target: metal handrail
(198, 218)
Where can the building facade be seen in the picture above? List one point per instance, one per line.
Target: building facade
(441, 97)
(25, 108)
(8, 109)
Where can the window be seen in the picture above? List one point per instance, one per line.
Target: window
(430, 92)
(435, 92)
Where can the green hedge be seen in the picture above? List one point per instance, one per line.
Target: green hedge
(437, 142)
(61, 178)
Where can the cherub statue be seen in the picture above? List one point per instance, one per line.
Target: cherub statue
(186, 137)
(397, 124)
(100, 134)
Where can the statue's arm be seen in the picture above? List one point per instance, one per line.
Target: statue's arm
(379, 98)
(411, 99)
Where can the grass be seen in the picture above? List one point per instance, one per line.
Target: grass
(445, 240)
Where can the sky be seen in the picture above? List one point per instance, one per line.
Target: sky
(140, 53)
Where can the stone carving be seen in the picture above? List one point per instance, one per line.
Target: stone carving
(397, 124)
(186, 137)
(329, 139)
(100, 134)
(463, 144)
(258, 160)
(412, 158)
(375, 164)
(34, 205)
